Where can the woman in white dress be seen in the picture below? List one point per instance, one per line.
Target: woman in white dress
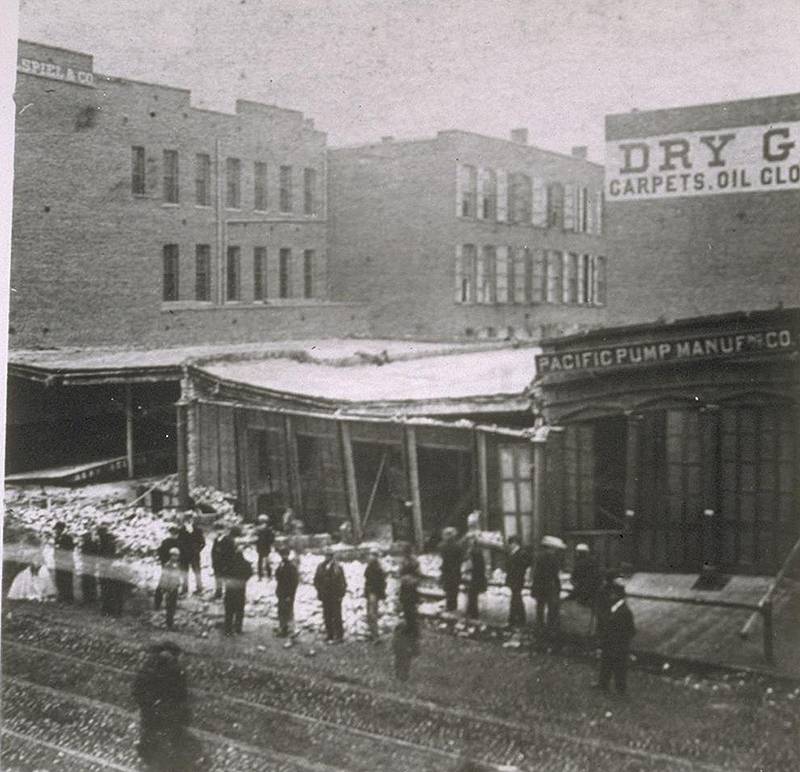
(34, 581)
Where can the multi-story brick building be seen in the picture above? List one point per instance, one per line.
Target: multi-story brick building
(701, 209)
(464, 235)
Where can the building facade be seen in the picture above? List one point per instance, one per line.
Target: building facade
(701, 209)
(140, 220)
(465, 236)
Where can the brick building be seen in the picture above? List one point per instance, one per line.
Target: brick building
(701, 209)
(463, 235)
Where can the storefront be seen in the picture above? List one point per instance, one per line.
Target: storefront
(680, 442)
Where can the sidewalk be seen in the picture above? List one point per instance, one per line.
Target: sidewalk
(702, 635)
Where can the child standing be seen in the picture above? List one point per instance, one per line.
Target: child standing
(170, 584)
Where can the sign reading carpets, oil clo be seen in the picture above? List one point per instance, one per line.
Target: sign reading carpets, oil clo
(700, 163)
(55, 71)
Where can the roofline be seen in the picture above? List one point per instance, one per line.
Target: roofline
(55, 48)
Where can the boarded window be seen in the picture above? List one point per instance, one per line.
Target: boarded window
(202, 179)
(170, 285)
(233, 274)
(285, 193)
(600, 281)
(138, 179)
(259, 273)
(202, 272)
(233, 183)
(310, 191)
(260, 186)
(308, 273)
(171, 192)
(285, 273)
(570, 277)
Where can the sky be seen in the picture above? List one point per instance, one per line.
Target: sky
(408, 68)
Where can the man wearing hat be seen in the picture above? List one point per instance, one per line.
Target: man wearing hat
(616, 631)
(237, 574)
(191, 542)
(169, 543)
(374, 591)
(546, 585)
(452, 557)
(585, 577)
(331, 586)
(516, 568)
(265, 538)
(64, 546)
(287, 578)
(222, 551)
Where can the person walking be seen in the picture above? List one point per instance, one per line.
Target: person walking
(452, 556)
(170, 583)
(169, 543)
(161, 693)
(616, 631)
(476, 582)
(265, 538)
(331, 586)
(238, 572)
(191, 542)
(89, 566)
(64, 546)
(546, 588)
(222, 550)
(287, 579)
(516, 568)
(374, 592)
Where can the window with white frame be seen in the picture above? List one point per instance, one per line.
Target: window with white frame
(501, 274)
(465, 273)
(520, 262)
(600, 280)
(171, 191)
(570, 277)
(555, 263)
(466, 196)
(555, 205)
(539, 277)
(488, 195)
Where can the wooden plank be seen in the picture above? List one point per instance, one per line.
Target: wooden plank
(483, 475)
(129, 428)
(413, 481)
(293, 466)
(351, 486)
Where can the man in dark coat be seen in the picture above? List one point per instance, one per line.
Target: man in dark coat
(191, 542)
(161, 692)
(516, 568)
(452, 556)
(237, 574)
(265, 538)
(64, 545)
(405, 645)
(169, 543)
(374, 591)
(287, 578)
(546, 587)
(222, 550)
(169, 584)
(106, 550)
(89, 566)
(476, 584)
(616, 632)
(331, 586)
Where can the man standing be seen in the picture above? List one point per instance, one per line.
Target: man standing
(89, 566)
(265, 538)
(164, 551)
(287, 579)
(516, 568)
(237, 574)
(476, 584)
(616, 633)
(452, 556)
(64, 546)
(374, 592)
(222, 550)
(546, 587)
(585, 577)
(191, 542)
(170, 584)
(331, 586)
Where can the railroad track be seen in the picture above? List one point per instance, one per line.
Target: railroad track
(346, 726)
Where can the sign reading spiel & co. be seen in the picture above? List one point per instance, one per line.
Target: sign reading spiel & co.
(699, 163)
(684, 349)
(54, 71)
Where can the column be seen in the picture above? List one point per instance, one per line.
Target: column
(181, 425)
(350, 478)
(413, 484)
(539, 494)
(129, 428)
(483, 477)
(633, 450)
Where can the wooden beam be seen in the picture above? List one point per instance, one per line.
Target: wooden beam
(632, 458)
(181, 408)
(350, 478)
(539, 494)
(413, 484)
(129, 428)
(293, 465)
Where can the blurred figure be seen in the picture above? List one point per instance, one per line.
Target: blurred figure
(120, 586)
(161, 692)
(238, 572)
(89, 553)
(452, 556)
(405, 646)
(586, 577)
(331, 586)
(409, 564)
(287, 579)
(191, 542)
(616, 631)
(222, 550)
(516, 568)
(287, 521)
(33, 582)
(476, 581)
(64, 546)
(170, 583)
(106, 550)
(265, 538)
(374, 592)
(169, 543)
(546, 587)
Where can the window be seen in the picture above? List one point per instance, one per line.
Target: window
(569, 207)
(170, 290)
(233, 274)
(467, 183)
(555, 205)
(520, 199)
(286, 189)
(586, 280)
(600, 281)
(259, 273)
(284, 273)
(171, 176)
(501, 275)
(202, 179)
(137, 171)
(260, 186)
(484, 275)
(308, 273)
(233, 183)
(488, 194)
(571, 278)
(516, 490)
(539, 277)
(582, 223)
(554, 266)
(202, 272)
(465, 273)
(521, 262)
(310, 191)
(539, 203)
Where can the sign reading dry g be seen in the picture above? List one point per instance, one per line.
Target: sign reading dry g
(698, 163)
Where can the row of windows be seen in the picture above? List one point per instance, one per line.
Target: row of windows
(503, 274)
(233, 182)
(233, 273)
(514, 197)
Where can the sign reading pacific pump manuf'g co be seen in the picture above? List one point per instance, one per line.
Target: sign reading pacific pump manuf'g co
(672, 350)
(699, 163)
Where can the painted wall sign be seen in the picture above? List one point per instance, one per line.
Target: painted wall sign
(55, 71)
(685, 349)
(701, 163)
